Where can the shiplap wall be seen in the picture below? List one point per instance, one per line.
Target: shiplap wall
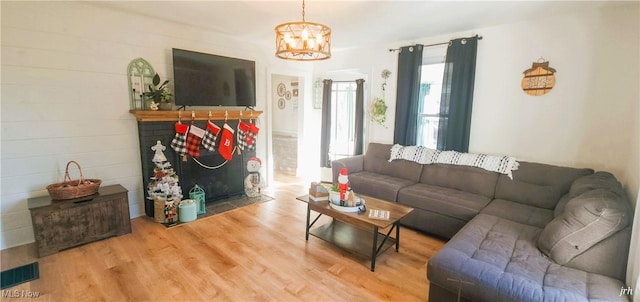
(64, 97)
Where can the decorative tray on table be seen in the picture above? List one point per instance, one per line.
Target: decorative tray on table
(334, 203)
(345, 209)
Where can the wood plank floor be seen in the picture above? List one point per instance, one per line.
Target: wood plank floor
(255, 253)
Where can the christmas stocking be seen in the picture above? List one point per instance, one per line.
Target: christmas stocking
(193, 140)
(243, 128)
(179, 141)
(210, 136)
(226, 142)
(250, 139)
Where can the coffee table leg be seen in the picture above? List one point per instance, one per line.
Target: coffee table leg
(397, 236)
(374, 249)
(306, 235)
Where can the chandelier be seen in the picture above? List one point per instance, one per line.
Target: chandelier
(303, 41)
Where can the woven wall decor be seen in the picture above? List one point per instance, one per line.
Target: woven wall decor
(539, 79)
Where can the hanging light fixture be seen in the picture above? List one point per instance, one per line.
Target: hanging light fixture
(303, 41)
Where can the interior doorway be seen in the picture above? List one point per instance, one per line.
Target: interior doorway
(285, 124)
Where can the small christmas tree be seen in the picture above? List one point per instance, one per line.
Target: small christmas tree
(164, 184)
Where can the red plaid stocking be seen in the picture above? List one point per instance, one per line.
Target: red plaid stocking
(226, 142)
(252, 134)
(179, 141)
(194, 138)
(209, 140)
(243, 128)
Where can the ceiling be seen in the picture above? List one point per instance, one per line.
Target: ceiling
(353, 23)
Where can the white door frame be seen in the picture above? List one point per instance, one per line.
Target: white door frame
(305, 96)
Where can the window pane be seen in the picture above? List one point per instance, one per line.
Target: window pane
(342, 120)
(430, 91)
(432, 77)
(428, 131)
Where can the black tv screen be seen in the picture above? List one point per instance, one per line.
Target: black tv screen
(202, 79)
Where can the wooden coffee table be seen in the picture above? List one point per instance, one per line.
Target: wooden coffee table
(356, 232)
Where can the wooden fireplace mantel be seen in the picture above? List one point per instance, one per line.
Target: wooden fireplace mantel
(196, 115)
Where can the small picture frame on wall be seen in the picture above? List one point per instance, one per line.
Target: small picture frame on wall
(281, 103)
(294, 92)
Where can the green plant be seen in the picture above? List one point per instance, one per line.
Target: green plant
(379, 111)
(158, 93)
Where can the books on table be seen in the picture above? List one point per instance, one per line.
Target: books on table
(379, 214)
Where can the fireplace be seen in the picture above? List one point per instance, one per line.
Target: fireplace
(218, 179)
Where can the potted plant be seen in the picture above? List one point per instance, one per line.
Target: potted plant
(379, 111)
(159, 94)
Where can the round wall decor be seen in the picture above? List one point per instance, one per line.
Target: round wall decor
(281, 103)
(538, 79)
(281, 89)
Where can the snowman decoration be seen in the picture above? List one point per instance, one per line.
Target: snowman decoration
(254, 181)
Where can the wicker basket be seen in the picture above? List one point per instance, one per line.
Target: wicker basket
(70, 189)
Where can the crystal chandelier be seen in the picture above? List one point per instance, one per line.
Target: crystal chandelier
(303, 41)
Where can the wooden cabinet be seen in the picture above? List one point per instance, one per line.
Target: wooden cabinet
(60, 225)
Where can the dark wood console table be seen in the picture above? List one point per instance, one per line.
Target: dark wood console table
(60, 225)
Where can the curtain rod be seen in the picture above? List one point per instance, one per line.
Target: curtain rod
(436, 44)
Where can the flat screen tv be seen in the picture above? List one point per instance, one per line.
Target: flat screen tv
(202, 79)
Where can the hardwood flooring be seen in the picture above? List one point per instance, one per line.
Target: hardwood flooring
(255, 253)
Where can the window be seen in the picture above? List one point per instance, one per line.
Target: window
(343, 113)
(430, 91)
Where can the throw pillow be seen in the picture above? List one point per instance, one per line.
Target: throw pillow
(587, 219)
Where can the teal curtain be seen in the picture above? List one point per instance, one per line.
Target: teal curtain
(325, 133)
(408, 95)
(454, 126)
(359, 119)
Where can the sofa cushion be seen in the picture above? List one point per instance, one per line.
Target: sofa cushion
(464, 178)
(497, 260)
(441, 200)
(537, 184)
(587, 219)
(518, 212)
(376, 160)
(377, 185)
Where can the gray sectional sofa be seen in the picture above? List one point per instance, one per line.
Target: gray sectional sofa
(549, 234)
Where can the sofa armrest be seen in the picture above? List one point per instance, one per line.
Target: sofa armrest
(353, 164)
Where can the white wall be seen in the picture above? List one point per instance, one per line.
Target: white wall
(64, 97)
